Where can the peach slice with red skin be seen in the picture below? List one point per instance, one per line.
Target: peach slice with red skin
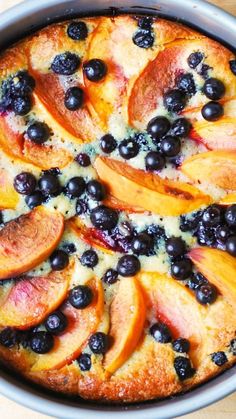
(82, 323)
(148, 191)
(218, 167)
(28, 240)
(127, 317)
(119, 205)
(30, 299)
(219, 268)
(9, 197)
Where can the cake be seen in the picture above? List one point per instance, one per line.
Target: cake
(118, 208)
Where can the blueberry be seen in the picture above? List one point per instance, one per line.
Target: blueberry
(194, 59)
(59, 260)
(158, 127)
(95, 69)
(233, 346)
(65, 64)
(74, 98)
(143, 38)
(89, 258)
(84, 362)
(170, 146)
(108, 143)
(219, 358)
(34, 200)
(69, 248)
(231, 245)
(160, 332)
(181, 269)
(50, 185)
(196, 280)
(181, 127)
(22, 105)
(55, 171)
(211, 216)
(21, 84)
(110, 276)
(96, 190)
(175, 246)
(80, 297)
(142, 244)
(104, 218)
(8, 337)
(214, 89)
(141, 140)
(232, 65)
(25, 183)
(212, 111)
(41, 342)
(205, 236)
(98, 343)
(77, 31)
(128, 265)
(83, 159)
(181, 345)
(128, 149)
(75, 187)
(186, 83)
(222, 233)
(38, 132)
(80, 207)
(174, 100)
(230, 215)
(145, 22)
(183, 368)
(206, 294)
(56, 322)
(154, 161)
(204, 71)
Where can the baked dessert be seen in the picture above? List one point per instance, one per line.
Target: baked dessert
(118, 208)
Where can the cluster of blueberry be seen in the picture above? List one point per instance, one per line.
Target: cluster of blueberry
(144, 36)
(16, 93)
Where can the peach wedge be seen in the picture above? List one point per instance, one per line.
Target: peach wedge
(28, 240)
(147, 190)
(218, 167)
(220, 135)
(127, 317)
(8, 196)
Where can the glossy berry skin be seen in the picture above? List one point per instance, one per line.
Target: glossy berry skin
(143, 38)
(170, 146)
(194, 59)
(96, 190)
(232, 65)
(49, 185)
(160, 332)
(230, 216)
(80, 207)
(108, 143)
(56, 323)
(95, 69)
(214, 89)
(128, 265)
(231, 245)
(183, 368)
(38, 132)
(84, 362)
(174, 100)
(222, 233)
(186, 83)
(22, 105)
(142, 244)
(98, 343)
(89, 258)
(69, 248)
(65, 64)
(154, 161)
(41, 342)
(22, 84)
(74, 98)
(8, 337)
(104, 218)
(128, 149)
(212, 111)
(77, 31)
(181, 345)
(196, 280)
(110, 277)
(158, 127)
(219, 358)
(181, 269)
(181, 127)
(80, 297)
(206, 294)
(145, 22)
(34, 200)
(75, 187)
(205, 236)
(83, 160)
(25, 183)
(211, 216)
(59, 260)
(175, 246)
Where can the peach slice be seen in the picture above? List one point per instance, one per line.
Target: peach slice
(127, 317)
(28, 240)
(115, 203)
(219, 268)
(81, 324)
(9, 197)
(229, 199)
(148, 191)
(218, 135)
(218, 167)
(31, 299)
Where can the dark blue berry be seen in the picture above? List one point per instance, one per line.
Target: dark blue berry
(214, 89)
(98, 343)
(181, 127)
(128, 265)
(205, 236)
(196, 280)
(104, 218)
(233, 346)
(21, 84)
(232, 65)
(170, 146)
(75, 187)
(95, 69)
(56, 323)
(38, 132)
(65, 64)
(143, 38)
(89, 258)
(69, 248)
(84, 362)
(142, 244)
(175, 246)
(80, 297)
(74, 98)
(174, 100)
(108, 143)
(128, 149)
(96, 190)
(154, 161)
(59, 260)
(186, 83)
(212, 216)
(81, 207)
(50, 185)
(230, 216)
(158, 127)
(41, 342)
(22, 105)
(160, 332)
(110, 277)
(77, 31)
(206, 294)
(145, 22)
(222, 233)
(8, 337)
(181, 345)
(212, 111)
(219, 358)
(204, 71)
(183, 368)
(194, 59)
(83, 159)
(34, 200)
(25, 183)
(231, 245)
(181, 269)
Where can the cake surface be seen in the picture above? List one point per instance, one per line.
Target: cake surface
(118, 208)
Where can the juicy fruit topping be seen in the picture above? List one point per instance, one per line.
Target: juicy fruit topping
(59, 260)
(77, 31)
(196, 280)
(128, 149)
(204, 71)
(233, 346)
(175, 246)
(81, 296)
(230, 216)
(161, 333)
(95, 70)
(98, 343)
(21, 105)
(232, 65)
(41, 342)
(108, 143)
(231, 245)
(89, 258)
(110, 277)
(49, 184)
(38, 132)
(206, 294)
(186, 83)
(128, 265)
(34, 200)
(181, 127)
(181, 269)
(222, 233)
(214, 89)
(219, 358)
(212, 216)
(143, 38)
(158, 127)
(194, 59)
(96, 190)
(145, 22)
(84, 362)
(183, 368)
(25, 183)
(212, 111)
(181, 345)
(174, 100)
(104, 218)
(65, 64)
(56, 323)
(83, 159)
(154, 161)
(142, 244)
(74, 98)
(75, 187)
(8, 337)
(170, 146)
